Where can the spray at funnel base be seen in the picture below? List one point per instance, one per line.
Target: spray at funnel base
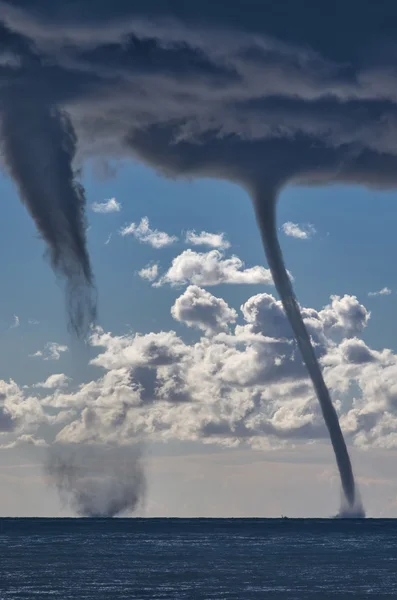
(97, 481)
(265, 207)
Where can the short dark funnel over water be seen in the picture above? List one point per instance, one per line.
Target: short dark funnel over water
(265, 208)
(97, 481)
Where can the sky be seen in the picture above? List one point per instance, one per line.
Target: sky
(189, 476)
(143, 149)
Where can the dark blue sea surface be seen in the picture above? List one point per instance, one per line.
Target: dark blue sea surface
(198, 558)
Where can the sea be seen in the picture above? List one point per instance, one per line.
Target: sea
(213, 559)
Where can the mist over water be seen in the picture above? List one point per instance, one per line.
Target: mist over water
(97, 481)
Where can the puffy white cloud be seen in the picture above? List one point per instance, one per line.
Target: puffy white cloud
(244, 383)
(153, 237)
(19, 413)
(109, 206)
(383, 292)
(198, 308)
(57, 380)
(152, 349)
(52, 351)
(265, 315)
(204, 238)
(150, 273)
(7, 391)
(345, 316)
(300, 232)
(211, 268)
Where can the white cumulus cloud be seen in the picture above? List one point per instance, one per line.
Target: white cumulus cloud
(241, 381)
(211, 268)
(345, 316)
(204, 238)
(55, 381)
(143, 233)
(109, 206)
(244, 385)
(150, 273)
(198, 308)
(383, 292)
(52, 351)
(300, 232)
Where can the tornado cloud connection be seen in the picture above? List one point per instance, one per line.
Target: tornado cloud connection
(265, 207)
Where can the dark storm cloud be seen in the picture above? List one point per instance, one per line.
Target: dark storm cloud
(260, 93)
(217, 77)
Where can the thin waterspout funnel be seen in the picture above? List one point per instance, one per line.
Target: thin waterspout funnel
(265, 208)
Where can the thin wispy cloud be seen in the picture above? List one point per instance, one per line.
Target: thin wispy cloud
(15, 323)
(108, 239)
(24, 440)
(52, 351)
(383, 292)
(143, 233)
(109, 206)
(300, 232)
(204, 238)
